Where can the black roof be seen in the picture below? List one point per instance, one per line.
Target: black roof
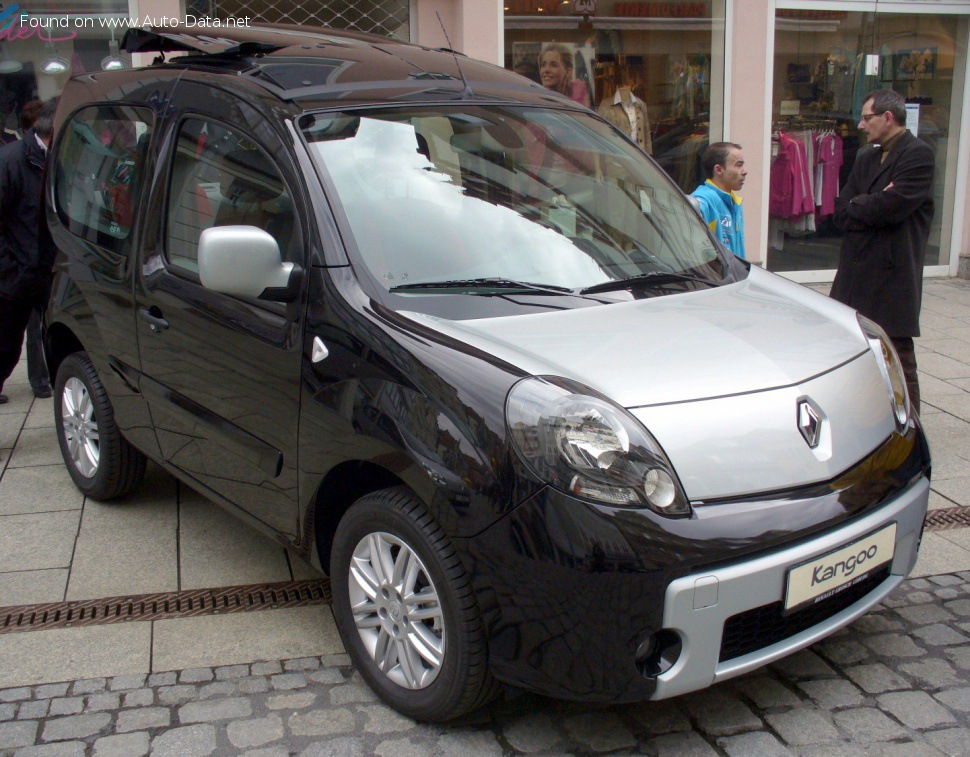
(319, 67)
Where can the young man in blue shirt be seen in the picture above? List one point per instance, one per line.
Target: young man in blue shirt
(718, 199)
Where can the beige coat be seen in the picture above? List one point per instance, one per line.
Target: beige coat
(612, 110)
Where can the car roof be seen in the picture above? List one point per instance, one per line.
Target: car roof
(321, 67)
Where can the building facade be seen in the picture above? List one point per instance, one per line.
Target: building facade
(773, 75)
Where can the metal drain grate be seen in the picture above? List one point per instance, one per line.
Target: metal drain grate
(173, 604)
(950, 517)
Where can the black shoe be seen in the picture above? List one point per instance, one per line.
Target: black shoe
(4, 399)
(42, 392)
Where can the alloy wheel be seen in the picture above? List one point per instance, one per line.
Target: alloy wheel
(80, 427)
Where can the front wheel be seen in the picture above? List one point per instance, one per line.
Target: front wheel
(405, 609)
(100, 460)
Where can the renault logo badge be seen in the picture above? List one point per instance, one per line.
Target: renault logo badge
(809, 423)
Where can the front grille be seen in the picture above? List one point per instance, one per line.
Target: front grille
(763, 626)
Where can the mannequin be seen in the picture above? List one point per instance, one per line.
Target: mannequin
(628, 113)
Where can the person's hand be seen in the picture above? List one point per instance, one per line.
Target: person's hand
(888, 186)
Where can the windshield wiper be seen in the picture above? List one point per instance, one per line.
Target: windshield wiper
(654, 278)
(487, 284)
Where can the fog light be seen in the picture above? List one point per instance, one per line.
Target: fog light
(658, 653)
(659, 488)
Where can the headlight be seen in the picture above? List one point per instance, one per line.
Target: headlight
(585, 445)
(890, 368)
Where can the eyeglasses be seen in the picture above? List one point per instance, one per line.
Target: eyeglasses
(867, 117)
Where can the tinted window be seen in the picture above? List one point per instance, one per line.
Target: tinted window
(221, 178)
(99, 170)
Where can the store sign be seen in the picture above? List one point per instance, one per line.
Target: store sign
(585, 6)
(17, 24)
(661, 10)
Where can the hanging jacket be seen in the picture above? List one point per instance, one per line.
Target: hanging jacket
(723, 214)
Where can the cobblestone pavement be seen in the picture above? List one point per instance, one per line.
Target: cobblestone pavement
(896, 682)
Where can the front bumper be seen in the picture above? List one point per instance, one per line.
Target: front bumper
(698, 606)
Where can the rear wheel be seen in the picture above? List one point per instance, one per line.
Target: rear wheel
(101, 462)
(405, 609)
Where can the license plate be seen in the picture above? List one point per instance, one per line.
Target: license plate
(826, 576)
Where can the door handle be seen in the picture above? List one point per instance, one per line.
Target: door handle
(153, 317)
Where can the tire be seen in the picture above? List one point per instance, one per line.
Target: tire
(432, 670)
(101, 462)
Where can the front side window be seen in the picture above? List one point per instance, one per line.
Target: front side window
(438, 196)
(220, 177)
(99, 170)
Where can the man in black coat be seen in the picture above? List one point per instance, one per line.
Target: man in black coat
(25, 271)
(885, 210)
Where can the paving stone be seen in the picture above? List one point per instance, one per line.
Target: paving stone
(88, 686)
(956, 699)
(298, 700)
(876, 622)
(196, 740)
(682, 745)
(127, 682)
(19, 734)
(939, 635)
(196, 675)
(66, 706)
(532, 732)
(719, 713)
(232, 671)
(169, 678)
(916, 709)
(287, 681)
(143, 719)
(661, 717)
(923, 615)
(462, 744)
(759, 743)
(933, 674)
(834, 693)
(894, 645)
(321, 722)
(802, 665)
(175, 694)
(351, 692)
(16, 695)
(327, 675)
(218, 689)
(803, 726)
(51, 690)
(215, 709)
(271, 751)
(101, 702)
(876, 678)
(946, 580)
(304, 663)
(950, 741)
(266, 668)
(842, 651)
(33, 710)
(245, 734)
(7, 711)
(138, 698)
(867, 724)
(61, 749)
(960, 656)
(75, 726)
(600, 731)
(342, 747)
(122, 745)
(253, 686)
(960, 607)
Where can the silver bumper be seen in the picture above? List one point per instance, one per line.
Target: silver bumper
(697, 606)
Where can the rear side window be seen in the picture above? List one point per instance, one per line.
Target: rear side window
(99, 170)
(220, 177)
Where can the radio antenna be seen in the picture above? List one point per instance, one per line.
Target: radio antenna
(467, 91)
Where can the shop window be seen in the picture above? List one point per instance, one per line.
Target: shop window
(99, 172)
(654, 70)
(825, 63)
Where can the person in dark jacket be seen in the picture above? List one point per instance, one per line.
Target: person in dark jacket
(25, 271)
(885, 210)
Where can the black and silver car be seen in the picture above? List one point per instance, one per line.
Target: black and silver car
(464, 347)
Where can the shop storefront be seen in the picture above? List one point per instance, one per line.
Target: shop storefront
(655, 69)
(825, 62)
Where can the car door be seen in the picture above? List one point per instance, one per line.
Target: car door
(221, 373)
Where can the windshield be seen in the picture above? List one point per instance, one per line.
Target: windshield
(459, 199)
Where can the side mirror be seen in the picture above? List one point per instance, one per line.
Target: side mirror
(245, 261)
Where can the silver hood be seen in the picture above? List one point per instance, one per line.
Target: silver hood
(717, 377)
(762, 333)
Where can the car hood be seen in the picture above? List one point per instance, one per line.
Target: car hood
(759, 334)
